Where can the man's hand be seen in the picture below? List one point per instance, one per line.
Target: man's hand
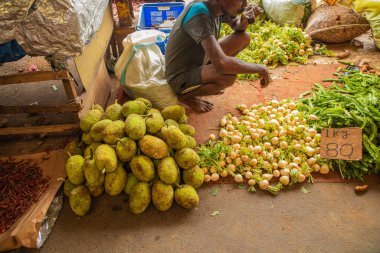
(251, 12)
(264, 73)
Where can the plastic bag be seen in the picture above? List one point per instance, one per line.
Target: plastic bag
(141, 69)
(370, 9)
(292, 12)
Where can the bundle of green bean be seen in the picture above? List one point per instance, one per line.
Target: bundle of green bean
(354, 103)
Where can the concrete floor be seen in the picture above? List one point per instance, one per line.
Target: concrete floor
(330, 218)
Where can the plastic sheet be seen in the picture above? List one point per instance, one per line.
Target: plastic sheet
(56, 28)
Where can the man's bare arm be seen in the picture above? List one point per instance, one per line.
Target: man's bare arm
(231, 65)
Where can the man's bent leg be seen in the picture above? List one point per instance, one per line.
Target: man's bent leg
(213, 83)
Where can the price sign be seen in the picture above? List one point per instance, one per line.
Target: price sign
(341, 143)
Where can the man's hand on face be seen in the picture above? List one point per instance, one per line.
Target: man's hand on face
(251, 12)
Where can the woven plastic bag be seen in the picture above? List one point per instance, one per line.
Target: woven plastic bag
(335, 24)
(291, 12)
(141, 69)
(370, 9)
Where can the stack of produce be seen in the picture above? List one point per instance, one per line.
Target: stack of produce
(138, 150)
(272, 44)
(270, 145)
(352, 103)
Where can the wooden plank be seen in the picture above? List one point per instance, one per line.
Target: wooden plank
(124, 13)
(39, 108)
(33, 77)
(38, 129)
(71, 92)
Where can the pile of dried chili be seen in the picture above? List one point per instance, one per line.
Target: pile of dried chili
(21, 184)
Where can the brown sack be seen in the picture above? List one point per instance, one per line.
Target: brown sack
(335, 24)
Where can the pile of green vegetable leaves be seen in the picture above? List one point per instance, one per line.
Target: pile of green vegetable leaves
(272, 44)
(352, 101)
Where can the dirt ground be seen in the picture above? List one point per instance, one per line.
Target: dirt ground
(330, 218)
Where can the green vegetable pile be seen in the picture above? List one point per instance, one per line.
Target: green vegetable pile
(272, 44)
(354, 103)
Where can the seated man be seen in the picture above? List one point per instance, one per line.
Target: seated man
(196, 63)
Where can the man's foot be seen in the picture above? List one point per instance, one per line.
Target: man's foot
(197, 104)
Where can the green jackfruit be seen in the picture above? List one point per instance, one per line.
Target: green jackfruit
(97, 129)
(168, 170)
(142, 167)
(92, 174)
(153, 147)
(182, 119)
(95, 190)
(126, 148)
(115, 181)
(186, 196)
(193, 177)
(74, 169)
(98, 107)
(145, 101)
(80, 200)
(150, 111)
(140, 198)
(132, 180)
(90, 150)
(72, 148)
(90, 119)
(170, 122)
(135, 127)
(162, 196)
(154, 123)
(68, 186)
(190, 142)
(186, 158)
(133, 107)
(174, 137)
(113, 112)
(174, 112)
(105, 158)
(86, 138)
(113, 132)
(187, 129)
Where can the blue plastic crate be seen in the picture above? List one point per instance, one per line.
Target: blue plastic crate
(153, 14)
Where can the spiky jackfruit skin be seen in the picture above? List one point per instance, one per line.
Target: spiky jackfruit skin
(187, 129)
(142, 167)
(135, 127)
(113, 112)
(90, 119)
(168, 170)
(153, 147)
(186, 158)
(133, 107)
(186, 196)
(74, 169)
(114, 182)
(145, 101)
(174, 112)
(105, 158)
(193, 177)
(132, 180)
(162, 195)
(126, 148)
(174, 137)
(140, 198)
(113, 132)
(80, 200)
(154, 123)
(97, 129)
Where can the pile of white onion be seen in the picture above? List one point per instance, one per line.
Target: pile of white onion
(270, 143)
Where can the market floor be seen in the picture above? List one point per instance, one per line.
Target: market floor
(329, 218)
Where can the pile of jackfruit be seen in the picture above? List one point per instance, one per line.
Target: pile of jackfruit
(135, 149)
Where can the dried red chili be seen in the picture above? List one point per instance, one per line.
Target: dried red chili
(21, 184)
